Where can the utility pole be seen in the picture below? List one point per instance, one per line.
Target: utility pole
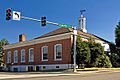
(63, 26)
(74, 55)
(44, 22)
(37, 20)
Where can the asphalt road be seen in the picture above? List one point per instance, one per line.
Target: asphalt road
(107, 75)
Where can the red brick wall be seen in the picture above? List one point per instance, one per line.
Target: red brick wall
(66, 53)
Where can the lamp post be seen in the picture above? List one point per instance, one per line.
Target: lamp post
(74, 55)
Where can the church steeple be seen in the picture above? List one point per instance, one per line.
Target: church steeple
(82, 22)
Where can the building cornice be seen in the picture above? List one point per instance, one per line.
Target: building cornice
(39, 40)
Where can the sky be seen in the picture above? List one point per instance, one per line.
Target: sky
(102, 17)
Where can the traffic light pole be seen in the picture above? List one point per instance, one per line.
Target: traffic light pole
(43, 19)
(75, 52)
(33, 19)
(74, 38)
(28, 18)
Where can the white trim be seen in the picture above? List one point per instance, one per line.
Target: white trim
(21, 55)
(55, 52)
(39, 40)
(48, 67)
(16, 54)
(9, 55)
(42, 52)
(29, 55)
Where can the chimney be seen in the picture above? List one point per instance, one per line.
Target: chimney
(22, 37)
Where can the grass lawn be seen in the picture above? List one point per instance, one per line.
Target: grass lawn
(96, 69)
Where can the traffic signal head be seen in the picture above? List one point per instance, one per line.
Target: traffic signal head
(8, 14)
(43, 21)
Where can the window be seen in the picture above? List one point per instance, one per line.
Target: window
(9, 57)
(15, 56)
(23, 55)
(31, 55)
(58, 51)
(45, 53)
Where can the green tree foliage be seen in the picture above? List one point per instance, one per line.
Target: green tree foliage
(114, 57)
(117, 40)
(96, 50)
(83, 52)
(115, 48)
(103, 61)
(117, 35)
(91, 53)
(2, 43)
(112, 48)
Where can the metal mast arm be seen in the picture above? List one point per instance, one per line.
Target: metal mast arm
(48, 22)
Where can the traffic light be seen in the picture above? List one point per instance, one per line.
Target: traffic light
(8, 14)
(43, 21)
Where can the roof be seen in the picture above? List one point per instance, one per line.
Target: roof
(101, 39)
(67, 30)
(59, 32)
(56, 32)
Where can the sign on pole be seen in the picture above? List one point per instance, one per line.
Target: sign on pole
(65, 26)
(16, 15)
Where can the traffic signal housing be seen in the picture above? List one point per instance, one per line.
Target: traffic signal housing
(8, 14)
(43, 21)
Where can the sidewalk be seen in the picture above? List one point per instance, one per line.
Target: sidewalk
(12, 75)
(33, 74)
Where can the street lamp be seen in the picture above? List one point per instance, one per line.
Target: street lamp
(74, 55)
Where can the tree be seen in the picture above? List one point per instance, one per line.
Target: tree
(117, 38)
(103, 61)
(2, 43)
(92, 54)
(113, 54)
(114, 58)
(112, 47)
(117, 41)
(117, 35)
(83, 52)
(96, 50)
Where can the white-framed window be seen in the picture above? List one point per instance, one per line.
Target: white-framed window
(31, 55)
(45, 53)
(22, 55)
(15, 56)
(9, 57)
(58, 52)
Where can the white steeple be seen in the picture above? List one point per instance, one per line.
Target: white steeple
(82, 22)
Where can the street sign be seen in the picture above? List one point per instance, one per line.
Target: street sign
(65, 26)
(16, 15)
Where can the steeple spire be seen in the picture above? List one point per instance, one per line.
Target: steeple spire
(82, 22)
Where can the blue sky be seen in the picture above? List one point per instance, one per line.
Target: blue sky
(102, 17)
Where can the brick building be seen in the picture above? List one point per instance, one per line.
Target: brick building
(47, 52)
